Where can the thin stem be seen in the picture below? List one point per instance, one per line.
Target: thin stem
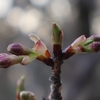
(56, 81)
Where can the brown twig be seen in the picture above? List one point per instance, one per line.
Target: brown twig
(56, 81)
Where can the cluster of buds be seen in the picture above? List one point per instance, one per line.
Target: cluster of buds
(83, 44)
(21, 94)
(24, 55)
(8, 60)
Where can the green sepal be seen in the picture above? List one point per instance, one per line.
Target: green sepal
(28, 59)
(87, 42)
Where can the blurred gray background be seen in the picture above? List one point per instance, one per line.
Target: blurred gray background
(80, 73)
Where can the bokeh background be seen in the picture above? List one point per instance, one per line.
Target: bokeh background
(80, 73)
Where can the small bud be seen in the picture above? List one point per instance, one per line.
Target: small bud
(81, 44)
(20, 87)
(91, 44)
(5, 62)
(8, 60)
(76, 44)
(28, 59)
(20, 84)
(39, 47)
(57, 34)
(78, 41)
(95, 38)
(74, 48)
(57, 40)
(93, 47)
(18, 49)
(26, 95)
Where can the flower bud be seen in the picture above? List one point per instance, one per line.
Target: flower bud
(57, 34)
(57, 40)
(76, 44)
(20, 84)
(20, 87)
(74, 48)
(26, 95)
(78, 41)
(39, 47)
(81, 44)
(91, 44)
(93, 47)
(8, 60)
(5, 62)
(94, 38)
(18, 49)
(28, 59)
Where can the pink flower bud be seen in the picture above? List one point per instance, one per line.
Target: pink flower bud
(39, 47)
(95, 46)
(28, 59)
(8, 60)
(78, 41)
(76, 44)
(18, 49)
(94, 37)
(5, 61)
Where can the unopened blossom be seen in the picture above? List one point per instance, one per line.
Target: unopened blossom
(27, 95)
(57, 40)
(28, 59)
(8, 60)
(91, 44)
(94, 38)
(18, 49)
(20, 87)
(57, 34)
(74, 47)
(39, 47)
(83, 44)
(20, 84)
(94, 47)
(76, 44)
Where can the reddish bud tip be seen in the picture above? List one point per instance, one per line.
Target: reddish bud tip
(18, 49)
(15, 48)
(95, 46)
(5, 62)
(95, 37)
